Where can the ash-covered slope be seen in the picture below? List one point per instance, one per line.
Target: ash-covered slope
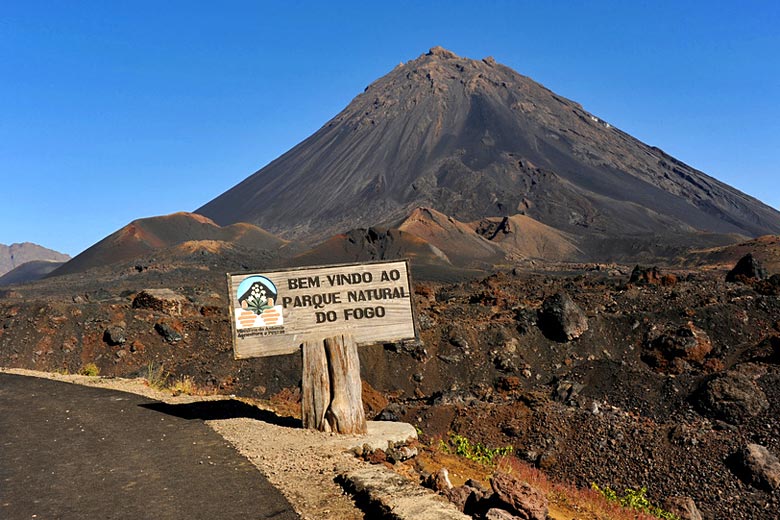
(475, 139)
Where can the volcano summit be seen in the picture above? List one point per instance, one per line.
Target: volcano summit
(475, 139)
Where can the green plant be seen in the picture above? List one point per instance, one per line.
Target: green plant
(474, 451)
(156, 376)
(635, 499)
(90, 369)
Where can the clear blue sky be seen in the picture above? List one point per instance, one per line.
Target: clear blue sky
(112, 111)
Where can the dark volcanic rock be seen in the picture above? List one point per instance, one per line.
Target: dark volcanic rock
(651, 276)
(732, 397)
(168, 333)
(768, 351)
(561, 319)
(115, 335)
(165, 301)
(770, 286)
(758, 466)
(748, 269)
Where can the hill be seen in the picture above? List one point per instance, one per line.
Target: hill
(147, 235)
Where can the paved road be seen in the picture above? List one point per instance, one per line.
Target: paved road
(73, 452)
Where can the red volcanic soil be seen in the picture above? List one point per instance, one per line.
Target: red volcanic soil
(146, 235)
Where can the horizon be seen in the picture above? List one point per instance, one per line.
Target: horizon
(112, 116)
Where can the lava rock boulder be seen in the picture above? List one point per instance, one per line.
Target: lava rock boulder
(561, 319)
(731, 397)
(747, 270)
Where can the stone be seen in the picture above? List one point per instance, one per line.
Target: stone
(499, 514)
(164, 301)
(768, 351)
(458, 495)
(114, 335)
(392, 412)
(759, 467)
(509, 383)
(675, 350)
(567, 391)
(770, 286)
(747, 270)
(400, 454)
(168, 333)
(525, 319)
(561, 319)
(645, 276)
(732, 397)
(683, 507)
(439, 481)
(521, 499)
(385, 490)
(651, 276)
(375, 456)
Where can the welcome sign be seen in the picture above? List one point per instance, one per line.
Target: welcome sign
(273, 312)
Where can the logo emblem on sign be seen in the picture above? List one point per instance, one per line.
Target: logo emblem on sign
(257, 297)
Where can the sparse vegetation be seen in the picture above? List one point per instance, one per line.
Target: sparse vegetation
(184, 385)
(90, 369)
(156, 376)
(474, 451)
(635, 499)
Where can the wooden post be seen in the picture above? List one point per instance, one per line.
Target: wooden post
(331, 398)
(315, 383)
(345, 414)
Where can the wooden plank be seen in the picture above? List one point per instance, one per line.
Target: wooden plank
(345, 413)
(315, 386)
(370, 301)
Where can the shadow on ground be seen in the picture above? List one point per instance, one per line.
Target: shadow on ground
(223, 409)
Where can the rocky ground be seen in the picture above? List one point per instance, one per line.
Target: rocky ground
(665, 379)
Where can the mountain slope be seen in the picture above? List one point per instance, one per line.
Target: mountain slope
(474, 139)
(15, 255)
(29, 272)
(155, 233)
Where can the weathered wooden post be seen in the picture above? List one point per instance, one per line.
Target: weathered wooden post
(326, 312)
(331, 394)
(315, 386)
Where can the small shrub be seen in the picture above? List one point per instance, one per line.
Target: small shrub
(90, 369)
(635, 499)
(184, 385)
(156, 376)
(476, 452)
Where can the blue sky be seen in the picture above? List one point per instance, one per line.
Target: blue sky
(112, 111)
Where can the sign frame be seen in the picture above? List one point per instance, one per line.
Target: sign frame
(295, 340)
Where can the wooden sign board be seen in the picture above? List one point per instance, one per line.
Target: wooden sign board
(274, 312)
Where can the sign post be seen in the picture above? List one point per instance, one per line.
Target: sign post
(326, 311)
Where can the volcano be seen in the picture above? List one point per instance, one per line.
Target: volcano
(475, 140)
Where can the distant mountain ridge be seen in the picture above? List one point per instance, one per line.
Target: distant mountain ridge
(15, 255)
(475, 140)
